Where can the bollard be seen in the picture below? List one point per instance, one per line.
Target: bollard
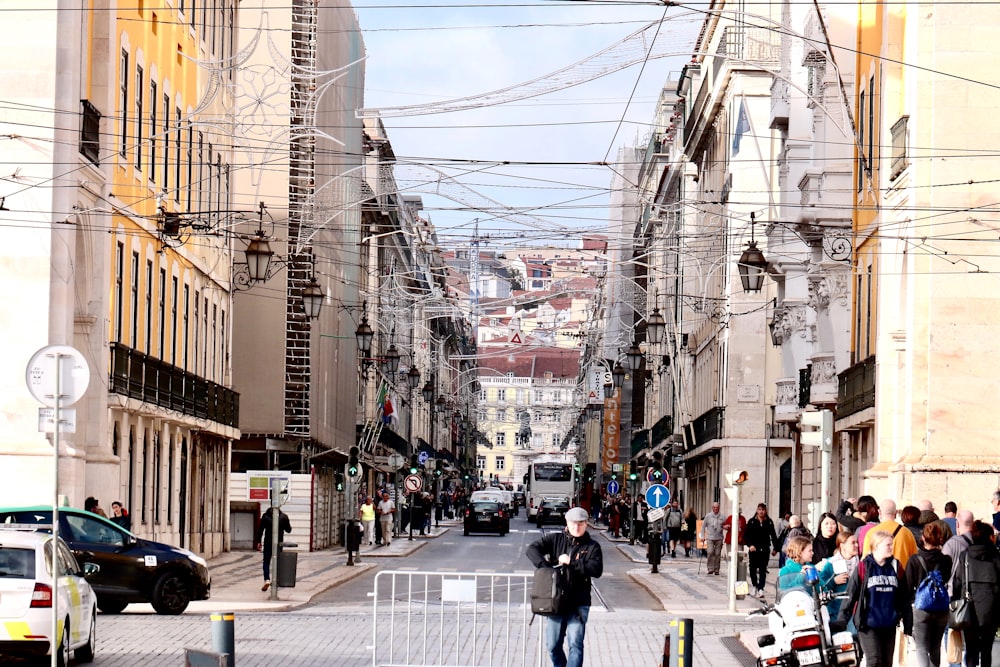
(653, 549)
(666, 649)
(224, 635)
(681, 635)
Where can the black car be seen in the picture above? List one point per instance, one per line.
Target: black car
(483, 516)
(552, 510)
(132, 569)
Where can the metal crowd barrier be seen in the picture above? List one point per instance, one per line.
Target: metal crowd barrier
(454, 619)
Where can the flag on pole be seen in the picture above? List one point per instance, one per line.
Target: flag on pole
(742, 125)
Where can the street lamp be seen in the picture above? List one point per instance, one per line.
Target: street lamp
(364, 334)
(413, 378)
(391, 360)
(609, 390)
(258, 254)
(655, 327)
(618, 375)
(752, 264)
(427, 392)
(633, 358)
(312, 298)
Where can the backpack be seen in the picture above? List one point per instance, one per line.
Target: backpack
(674, 519)
(549, 591)
(931, 594)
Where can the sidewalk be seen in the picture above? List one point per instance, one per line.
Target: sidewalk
(237, 575)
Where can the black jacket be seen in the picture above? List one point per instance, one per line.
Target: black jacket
(264, 529)
(760, 534)
(586, 561)
(983, 582)
(845, 517)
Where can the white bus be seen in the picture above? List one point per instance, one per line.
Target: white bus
(548, 478)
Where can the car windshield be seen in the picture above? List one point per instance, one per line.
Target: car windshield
(17, 562)
(485, 507)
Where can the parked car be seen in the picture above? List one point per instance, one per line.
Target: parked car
(552, 511)
(27, 588)
(486, 516)
(132, 569)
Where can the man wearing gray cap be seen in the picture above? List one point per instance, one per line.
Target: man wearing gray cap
(575, 550)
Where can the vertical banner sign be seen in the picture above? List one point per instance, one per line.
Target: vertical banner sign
(612, 436)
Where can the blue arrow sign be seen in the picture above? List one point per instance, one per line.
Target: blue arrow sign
(422, 457)
(613, 488)
(657, 496)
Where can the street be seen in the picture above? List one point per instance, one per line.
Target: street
(626, 628)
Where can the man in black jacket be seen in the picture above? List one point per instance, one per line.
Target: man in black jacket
(762, 543)
(575, 550)
(264, 538)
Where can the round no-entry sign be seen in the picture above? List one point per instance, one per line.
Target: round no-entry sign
(412, 483)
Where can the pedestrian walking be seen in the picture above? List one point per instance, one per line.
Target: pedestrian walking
(688, 530)
(712, 533)
(673, 520)
(574, 549)
(977, 572)
(928, 626)
(877, 602)
(265, 538)
(120, 516)
(386, 510)
(367, 515)
(762, 543)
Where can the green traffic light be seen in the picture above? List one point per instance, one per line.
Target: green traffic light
(352, 471)
(413, 471)
(632, 476)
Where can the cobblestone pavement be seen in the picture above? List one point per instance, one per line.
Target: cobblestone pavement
(304, 634)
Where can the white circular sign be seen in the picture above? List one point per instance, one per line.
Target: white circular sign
(73, 373)
(412, 483)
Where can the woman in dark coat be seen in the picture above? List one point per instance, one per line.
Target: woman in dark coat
(825, 542)
(978, 571)
(928, 626)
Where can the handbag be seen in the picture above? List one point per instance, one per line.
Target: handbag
(961, 613)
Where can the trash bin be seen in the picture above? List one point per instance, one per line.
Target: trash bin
(288, 565)
(353, 533)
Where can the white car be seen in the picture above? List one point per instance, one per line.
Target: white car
(26, 594)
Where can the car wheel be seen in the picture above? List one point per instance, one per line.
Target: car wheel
(86, 652)
(465, 532)
(171, 594)
(111, 605)
(62, 658)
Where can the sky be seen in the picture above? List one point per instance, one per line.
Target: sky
(429, 51)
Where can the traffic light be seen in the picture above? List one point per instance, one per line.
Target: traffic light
(823, 436)
(632, 472)
(437, 472)
(657, 473)
(339, 479)
(353, 466)
(414, 465)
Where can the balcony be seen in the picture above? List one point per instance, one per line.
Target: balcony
(145, 378)
(787, 407)
(708, 426)
(779, 105)
(824, 387)
(856, 388)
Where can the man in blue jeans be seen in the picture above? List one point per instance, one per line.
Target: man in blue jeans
(573, 549)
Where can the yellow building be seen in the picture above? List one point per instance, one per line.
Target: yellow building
(926, 287)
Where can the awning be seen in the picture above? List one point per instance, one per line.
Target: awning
(424, 446)
(445, 455)
(389, 438)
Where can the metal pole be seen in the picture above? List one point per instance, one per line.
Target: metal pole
(55, 512)
(823, 505)
(224, 635)
(275, 537)
(681, 642)
(734, 534)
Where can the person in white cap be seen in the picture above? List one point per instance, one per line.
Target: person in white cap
(573, 549)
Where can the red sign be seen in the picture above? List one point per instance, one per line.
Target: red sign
(612, 436)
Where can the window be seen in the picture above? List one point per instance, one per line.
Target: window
(222, 352)
(90, 133)
(162, 321)
(900, 159)
(209, 185)
(480, 462)
(119, 288)
(144, 477)
(200, 194)
(537, 417)
(190, 185)
(861, 141)
(502, 415)
(501, 440)
(139, 86)
(173, 320)
(501, 395)
(501, 463)
(555, 440)
(197, 328)
(194, 12)
(204, 361)
(482, 395)
(134, 311)
(148, 335)
(154, 99)
(123, 104)
(539, 396)
(871, 123)
(166, 142)
(177, 155)
(185, 330)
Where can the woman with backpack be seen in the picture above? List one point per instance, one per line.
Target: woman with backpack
(977, 572)
(877, 600)
(930, 616)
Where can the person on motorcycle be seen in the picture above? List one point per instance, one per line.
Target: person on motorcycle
(877, 600)
(798, 554)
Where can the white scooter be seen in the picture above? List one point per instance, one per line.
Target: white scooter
(801, 635)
